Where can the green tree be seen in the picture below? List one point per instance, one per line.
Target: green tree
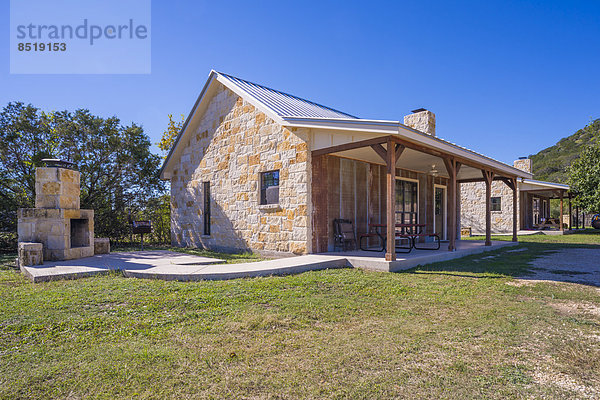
(170, 134)
(584, 178)
(26, 137)
(158, 210)
(118, 170)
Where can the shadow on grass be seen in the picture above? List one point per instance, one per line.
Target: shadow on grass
(7, 261)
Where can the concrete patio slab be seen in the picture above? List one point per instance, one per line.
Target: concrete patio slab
(169, 265)
(376, 260)
(282, 266)
(104, 263)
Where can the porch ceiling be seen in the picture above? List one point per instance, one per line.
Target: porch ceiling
(411, 160)
(544, 189)
(551, 194)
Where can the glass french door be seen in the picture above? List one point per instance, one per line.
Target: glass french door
(407, 206)
(536, 211)
(439, 211)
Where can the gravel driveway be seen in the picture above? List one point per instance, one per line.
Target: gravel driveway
(568, 265)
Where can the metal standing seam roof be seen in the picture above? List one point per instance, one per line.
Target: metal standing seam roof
(284, 104)
(288, 106)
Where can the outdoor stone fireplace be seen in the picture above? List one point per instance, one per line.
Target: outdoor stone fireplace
(64, 230)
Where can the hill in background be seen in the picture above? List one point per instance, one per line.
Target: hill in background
(551, 164)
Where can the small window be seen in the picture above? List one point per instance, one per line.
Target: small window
(269, 187)
(206, 187)
(496, 204)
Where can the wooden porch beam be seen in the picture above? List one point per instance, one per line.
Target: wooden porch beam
(380, 150)
(474, 180)
(462, 161)
(510, 182)
(349, 146)
(399, 150)
(405, 144)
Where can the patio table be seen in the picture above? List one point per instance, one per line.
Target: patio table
(407, 231)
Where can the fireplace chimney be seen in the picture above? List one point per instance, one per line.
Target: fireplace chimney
(57, 185)
(422, 120)
(65, 231)
(523, 163)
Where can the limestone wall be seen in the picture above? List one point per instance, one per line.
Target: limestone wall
(472, 207)
(230, 146)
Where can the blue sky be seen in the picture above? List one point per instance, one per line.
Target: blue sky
(505, 78)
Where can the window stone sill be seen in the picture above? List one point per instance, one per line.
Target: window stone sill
(269, 207)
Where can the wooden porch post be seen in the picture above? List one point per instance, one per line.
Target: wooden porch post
(570, 213)
(562, 228)
(515, 204)
(457, 207)
(390, 254)
(512, 184)
(488, 176)
(452, 167)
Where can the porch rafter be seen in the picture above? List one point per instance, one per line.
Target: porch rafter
(475, 180)
(350, 146)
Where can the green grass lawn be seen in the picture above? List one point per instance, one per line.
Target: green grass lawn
(459, 329)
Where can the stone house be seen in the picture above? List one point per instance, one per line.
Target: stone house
(533, 206)
(258, 169)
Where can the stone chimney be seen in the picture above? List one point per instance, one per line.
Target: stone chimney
(523, 163)
(57, 187)
(422, 120)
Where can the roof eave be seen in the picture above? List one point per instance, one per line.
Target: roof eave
(364, 125)
(551, 185)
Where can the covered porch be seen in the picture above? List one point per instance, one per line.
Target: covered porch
(388, 180)
(535, 206)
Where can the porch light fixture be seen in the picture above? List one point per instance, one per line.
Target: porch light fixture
(434, 171)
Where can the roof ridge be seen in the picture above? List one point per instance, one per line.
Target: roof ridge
(287, 94)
